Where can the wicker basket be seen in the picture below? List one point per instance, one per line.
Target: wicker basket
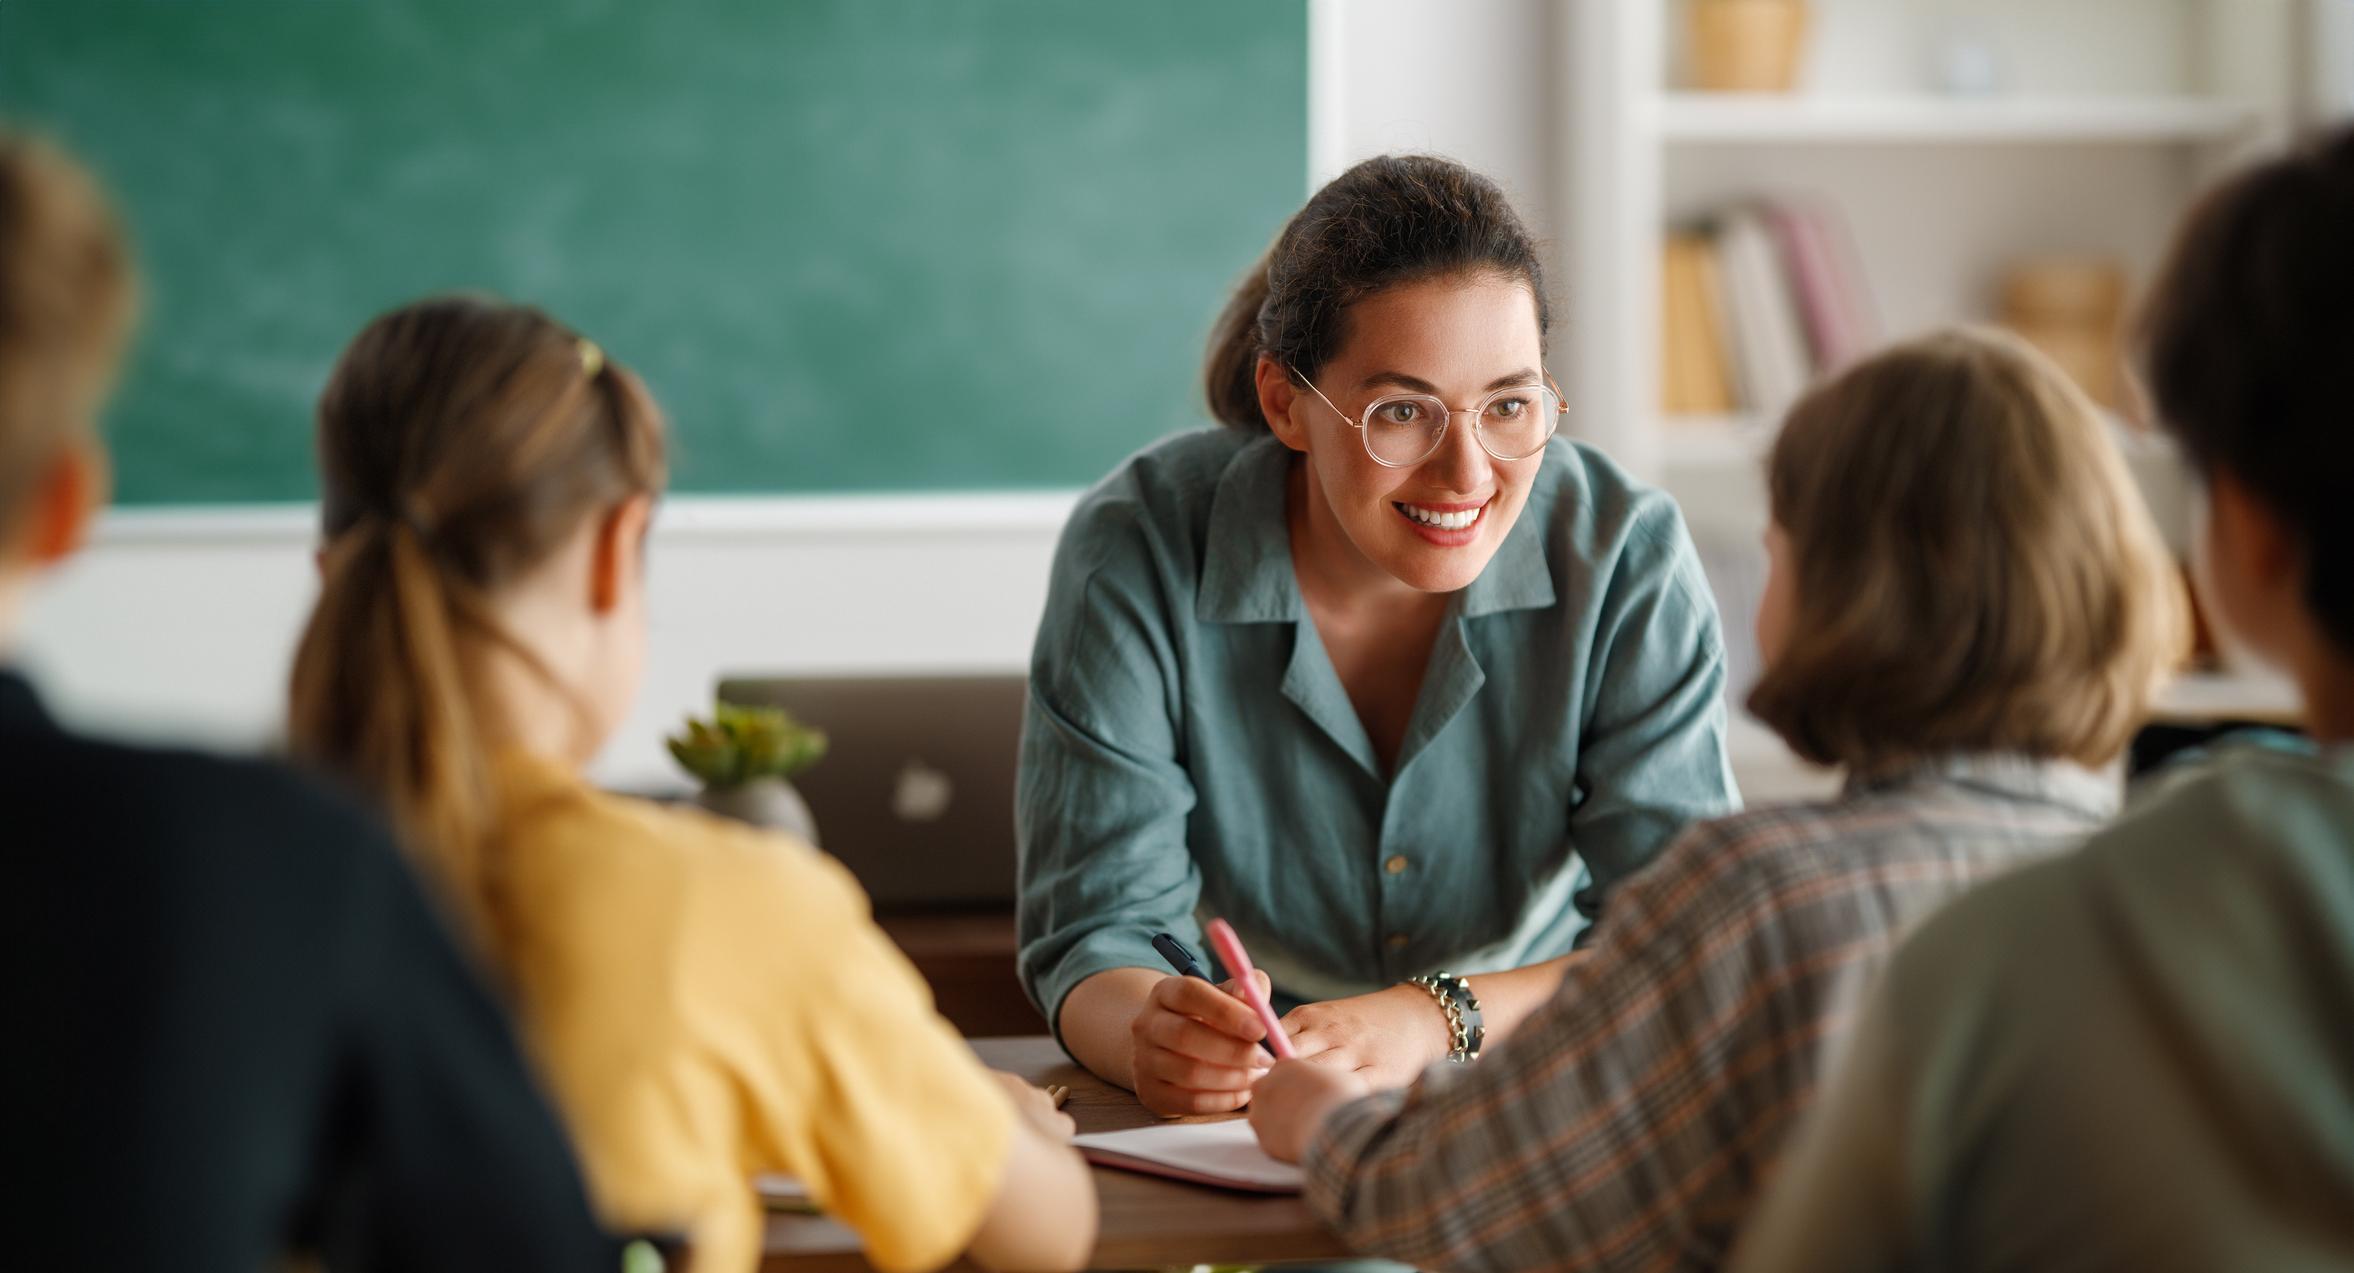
(2074, 311)
(1746, 46)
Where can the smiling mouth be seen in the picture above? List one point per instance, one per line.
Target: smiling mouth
(1442, 518)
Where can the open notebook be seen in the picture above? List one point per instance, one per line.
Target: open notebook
(1224, 1154)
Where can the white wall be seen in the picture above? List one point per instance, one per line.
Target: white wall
(1473, 80)
(2330, 76)
(182, 624)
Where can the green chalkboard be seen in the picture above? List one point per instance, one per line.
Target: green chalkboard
(853, 244)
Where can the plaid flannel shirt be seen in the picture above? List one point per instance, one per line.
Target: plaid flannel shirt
(1630, 1122)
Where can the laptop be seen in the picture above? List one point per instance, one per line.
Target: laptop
(916, 791)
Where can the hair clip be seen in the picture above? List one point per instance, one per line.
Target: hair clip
(592, 359)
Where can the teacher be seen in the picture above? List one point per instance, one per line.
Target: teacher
(1382, 672)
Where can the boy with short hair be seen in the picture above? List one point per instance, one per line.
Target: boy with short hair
(239, 1029)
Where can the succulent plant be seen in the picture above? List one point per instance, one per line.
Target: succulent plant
(739, 744)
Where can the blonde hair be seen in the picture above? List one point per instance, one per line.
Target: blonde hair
(461, 441)
(67, 301)
(1974, 568)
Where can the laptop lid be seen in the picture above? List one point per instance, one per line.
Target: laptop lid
(916, 791)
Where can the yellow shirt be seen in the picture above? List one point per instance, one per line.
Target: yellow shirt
(709, 1002)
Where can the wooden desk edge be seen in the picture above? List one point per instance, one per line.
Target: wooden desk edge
(1205, 1225)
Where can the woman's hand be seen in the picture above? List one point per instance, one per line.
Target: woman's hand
(1385, 1038)
(1033, 1106)
(1291, 1101)
(1194, 1047)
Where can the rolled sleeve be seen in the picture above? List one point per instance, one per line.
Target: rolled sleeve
(1653, 758)
(1102, 800)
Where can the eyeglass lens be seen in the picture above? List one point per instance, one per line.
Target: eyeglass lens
(1513, 424)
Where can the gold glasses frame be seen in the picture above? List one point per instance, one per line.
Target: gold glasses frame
(1363, 422)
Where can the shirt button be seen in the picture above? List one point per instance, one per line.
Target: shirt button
(1399, 941)
(1396, 865)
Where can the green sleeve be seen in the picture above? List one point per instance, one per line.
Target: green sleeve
(1652, 758)
(1102, 799)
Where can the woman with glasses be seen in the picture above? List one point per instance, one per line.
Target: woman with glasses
(1381, 672)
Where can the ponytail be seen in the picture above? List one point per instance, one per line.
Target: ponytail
(462, 442)
(381, 697)
(1230, 375)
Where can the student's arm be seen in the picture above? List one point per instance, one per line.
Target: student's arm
(1573, 1142)
(856, 1085)
(1015, 1233)
(457, 1162)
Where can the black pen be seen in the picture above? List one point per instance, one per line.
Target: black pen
(1178, 956)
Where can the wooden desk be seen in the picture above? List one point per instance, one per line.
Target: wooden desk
(1147, 1222)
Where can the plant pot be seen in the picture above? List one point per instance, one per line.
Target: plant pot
(769, 803)
(1746, 46)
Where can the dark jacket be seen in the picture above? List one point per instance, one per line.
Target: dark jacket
(237, 1029)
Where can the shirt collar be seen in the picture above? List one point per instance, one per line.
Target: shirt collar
(1518, 577)
(2063, 784)
(1246, 561)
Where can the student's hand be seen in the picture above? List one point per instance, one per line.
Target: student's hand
(1035, 1107)
(1385, 1038)
(1195, 1047)
(1292, 1100)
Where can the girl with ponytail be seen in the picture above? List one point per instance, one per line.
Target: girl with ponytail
(488, 476)
(1383, 671)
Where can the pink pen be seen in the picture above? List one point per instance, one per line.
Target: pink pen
(1238, 966)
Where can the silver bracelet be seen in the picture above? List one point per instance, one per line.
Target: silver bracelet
(1453, 994)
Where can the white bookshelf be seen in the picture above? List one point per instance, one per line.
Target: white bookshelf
(2112, 115)
(1701, 118)
(1715, 440)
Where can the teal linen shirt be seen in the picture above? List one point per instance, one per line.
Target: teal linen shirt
(1189, 751)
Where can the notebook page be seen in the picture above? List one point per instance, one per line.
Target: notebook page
(1223, 1153)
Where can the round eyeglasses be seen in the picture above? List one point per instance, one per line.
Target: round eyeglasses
(1402, 429)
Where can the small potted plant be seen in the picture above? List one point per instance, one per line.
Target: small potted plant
(745, 758)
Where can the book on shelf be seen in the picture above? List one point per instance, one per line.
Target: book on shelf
(1769, 339)
(1820, 259)
(1756, 305)
(1697, 379)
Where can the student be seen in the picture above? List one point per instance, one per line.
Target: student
(2138, 1056)
(1968, 609)
(1381, 671)
(709, 1001)
(241, 1033)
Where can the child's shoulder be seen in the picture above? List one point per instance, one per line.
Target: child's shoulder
(244, 811)
(584, 838)
(2245, 808)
